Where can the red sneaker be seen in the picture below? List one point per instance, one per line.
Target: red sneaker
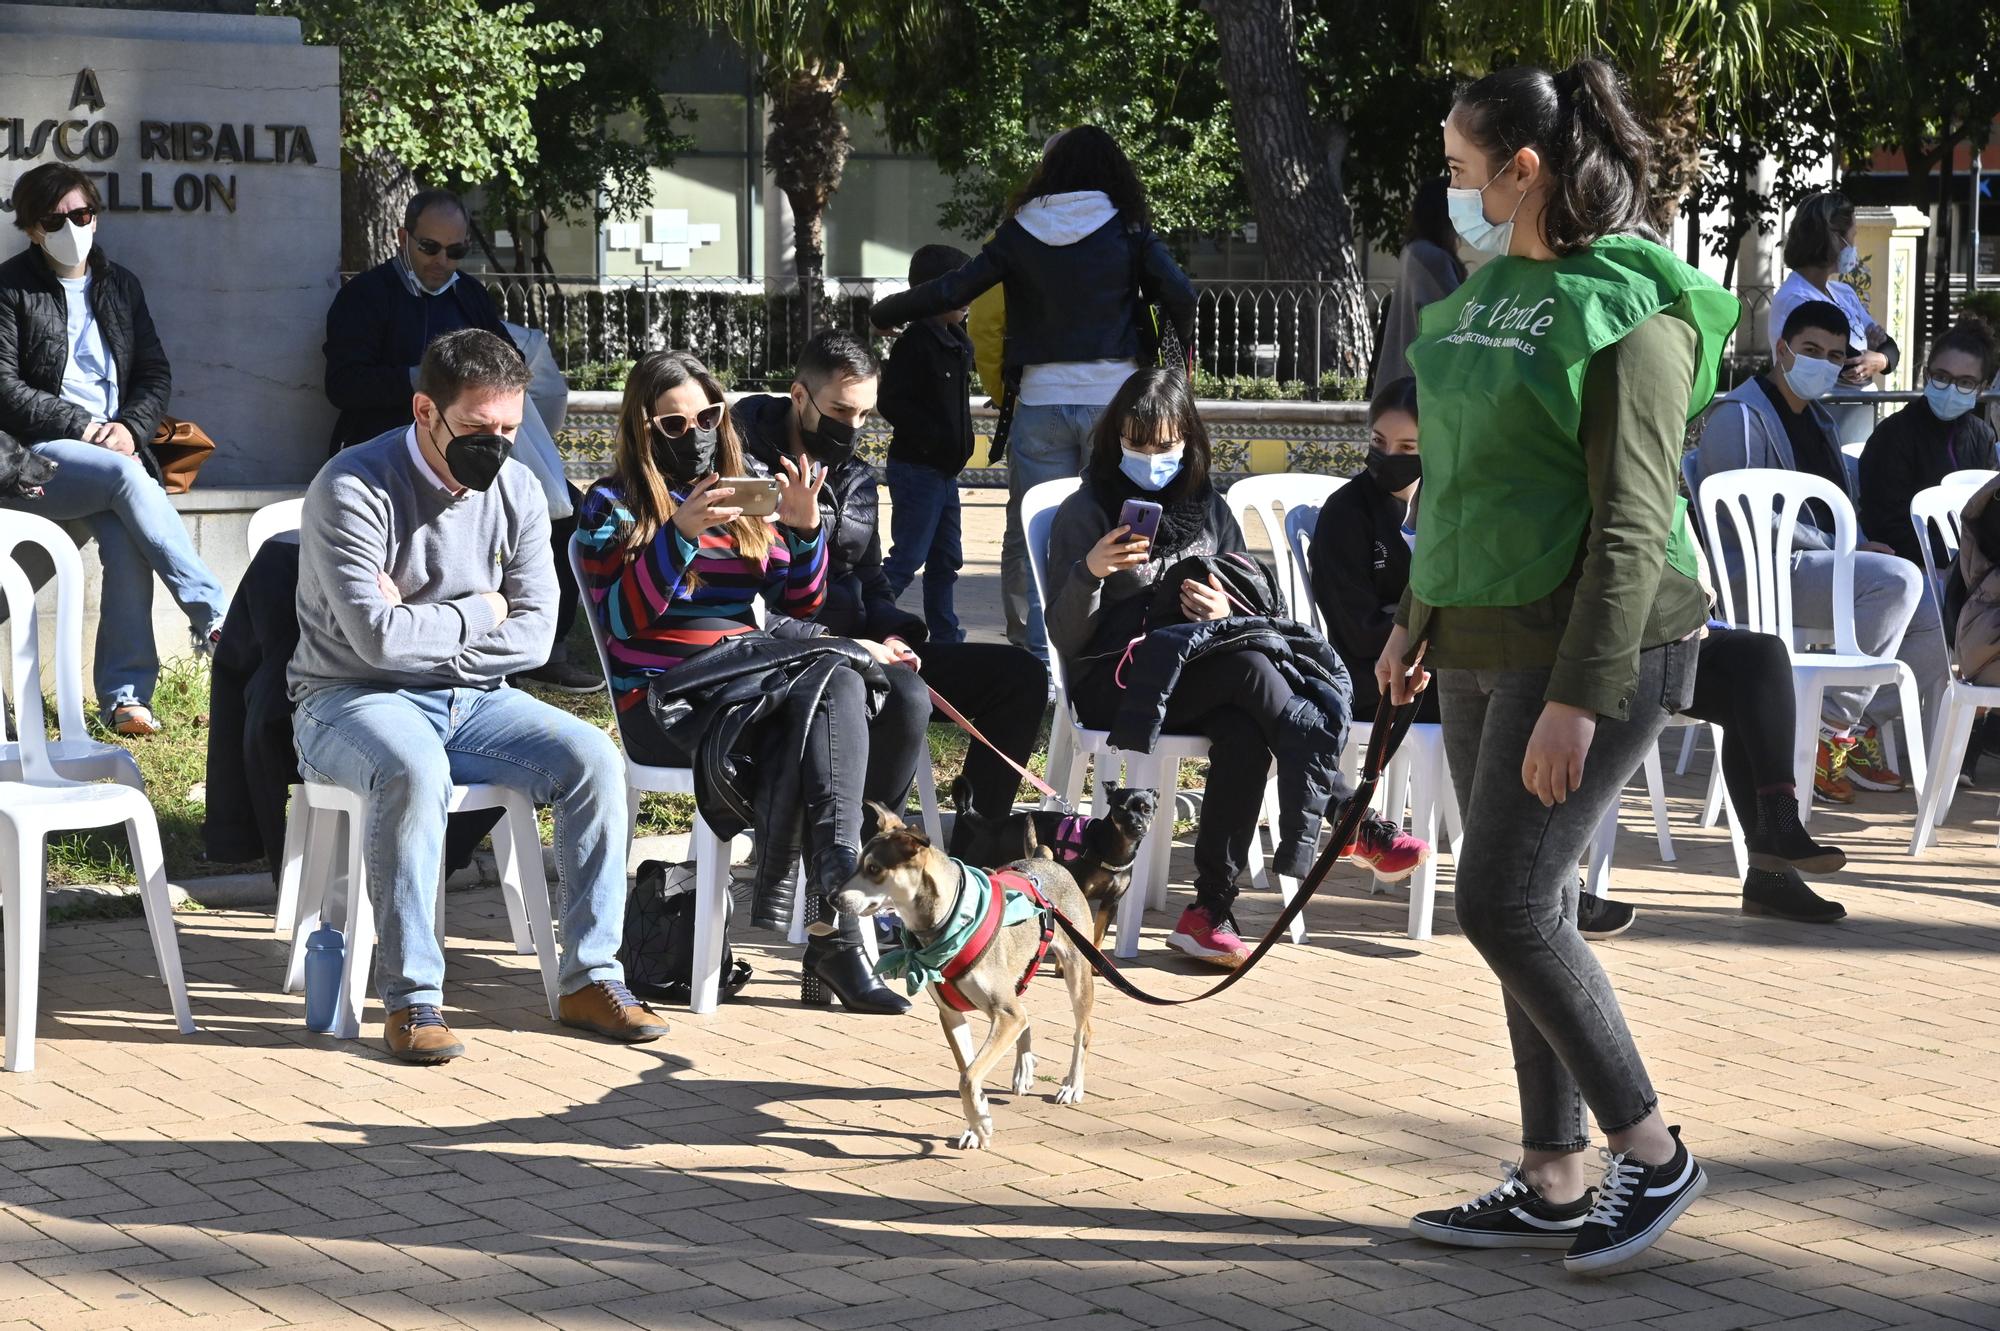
(1386, 848)
(1209, 939)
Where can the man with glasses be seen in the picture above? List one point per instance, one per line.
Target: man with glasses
(377, 330)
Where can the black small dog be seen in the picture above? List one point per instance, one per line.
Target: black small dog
(1098, 852)
(23, 472)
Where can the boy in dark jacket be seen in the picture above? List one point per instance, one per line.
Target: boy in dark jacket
(926, 397)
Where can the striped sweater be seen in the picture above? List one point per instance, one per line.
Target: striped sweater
(651, 621)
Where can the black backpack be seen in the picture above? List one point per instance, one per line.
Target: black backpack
(658, 951)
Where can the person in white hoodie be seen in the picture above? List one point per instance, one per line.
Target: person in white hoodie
(1083, 272)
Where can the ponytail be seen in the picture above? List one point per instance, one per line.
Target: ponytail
(1597, 155)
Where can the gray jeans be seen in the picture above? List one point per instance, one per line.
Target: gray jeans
(1517, 890)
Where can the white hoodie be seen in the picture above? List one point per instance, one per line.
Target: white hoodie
(1064, 219)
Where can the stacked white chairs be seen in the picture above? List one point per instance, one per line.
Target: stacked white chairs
(43, 800)
(1935, 513)
(1753, 512)
(1279, 493)
(1072, 745)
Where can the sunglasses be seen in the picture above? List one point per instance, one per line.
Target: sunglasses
(81, 217)
(429, 248)
(673, 425)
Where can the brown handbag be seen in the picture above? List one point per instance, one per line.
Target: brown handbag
(179, 448)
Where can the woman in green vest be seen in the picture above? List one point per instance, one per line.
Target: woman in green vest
(1554, 594)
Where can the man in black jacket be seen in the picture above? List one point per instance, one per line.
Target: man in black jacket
(376, 331)
(1003, 690)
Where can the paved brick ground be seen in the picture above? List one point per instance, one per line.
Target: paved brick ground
(1245, 1163)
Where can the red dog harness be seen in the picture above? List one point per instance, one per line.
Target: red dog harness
(989, 929)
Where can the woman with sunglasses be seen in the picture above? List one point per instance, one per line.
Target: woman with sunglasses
(673, 567)
(84, 382)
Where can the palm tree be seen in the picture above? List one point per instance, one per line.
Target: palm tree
(808, 53)
(1682, 58)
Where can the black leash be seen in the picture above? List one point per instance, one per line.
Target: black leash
(1391, 724)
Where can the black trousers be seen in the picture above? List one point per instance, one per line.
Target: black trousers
(1744, 684)
(1004, 691)
(1237, 700)
(560, 531)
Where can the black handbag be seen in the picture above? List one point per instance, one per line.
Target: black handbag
(658, 949)
(1248, 582)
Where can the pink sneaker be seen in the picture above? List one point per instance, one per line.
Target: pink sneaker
(1386, 848)
(1209, 939)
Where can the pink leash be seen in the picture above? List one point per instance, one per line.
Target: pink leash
(958, 719)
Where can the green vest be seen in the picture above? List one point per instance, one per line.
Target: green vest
(1500, 365)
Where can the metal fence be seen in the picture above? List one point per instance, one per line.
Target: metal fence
(749, 330)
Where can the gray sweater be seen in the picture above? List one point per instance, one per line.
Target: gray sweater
(369, 511)
(1743, 430)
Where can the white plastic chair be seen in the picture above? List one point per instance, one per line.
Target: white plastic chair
(274, 520)
(1072, 745)
(1260, 495)
(74, 755)
(45, 802)
(1937, 511)
(309, 883)
(1759, 507)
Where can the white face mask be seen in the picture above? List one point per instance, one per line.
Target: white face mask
(69, 244)
(1810, 377)
(1849, 260)
(1467, 209)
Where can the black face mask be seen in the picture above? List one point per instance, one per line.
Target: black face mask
(686, 457)
(831, 441)
(1395, 471)
(475, 460)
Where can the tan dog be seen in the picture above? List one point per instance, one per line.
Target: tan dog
(901, 871)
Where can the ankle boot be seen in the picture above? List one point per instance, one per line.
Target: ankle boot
(1786, 896)
(1777, 842)
(836, 968)
(771, 896)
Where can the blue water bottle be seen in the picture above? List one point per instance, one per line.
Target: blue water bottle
(326, 955)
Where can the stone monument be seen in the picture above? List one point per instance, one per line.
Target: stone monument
(214, 137)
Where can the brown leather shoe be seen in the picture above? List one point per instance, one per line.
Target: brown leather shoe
(608, 1008)
(418, 1034)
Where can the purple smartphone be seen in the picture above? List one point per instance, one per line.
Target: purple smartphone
(1142, 516)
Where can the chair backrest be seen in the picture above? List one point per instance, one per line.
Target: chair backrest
(1038, 518)
(24, 672)
(1759, 507)
(274, 520)
(1301, 521)
(16, 530)
(590, 618)
(1261, 496)
(1970, 479)
(1936, 510)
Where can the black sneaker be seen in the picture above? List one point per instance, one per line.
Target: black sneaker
(564, 676)
(1513, 1215)
(1785, 896)
(1635, 1204)
(1601, 917)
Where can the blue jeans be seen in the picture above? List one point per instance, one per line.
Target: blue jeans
(924, 531)
(1044, 444)
(404, 749)
(138, 534)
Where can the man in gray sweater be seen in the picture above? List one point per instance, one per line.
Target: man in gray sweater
(425, 580)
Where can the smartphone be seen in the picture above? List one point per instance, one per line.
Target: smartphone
(1142, 516)
(757, 496)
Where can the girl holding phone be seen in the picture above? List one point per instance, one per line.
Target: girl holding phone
(1150, 450)
(672, 568)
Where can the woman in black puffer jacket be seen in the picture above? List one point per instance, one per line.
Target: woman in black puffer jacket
(1150, 445)
(84, 382)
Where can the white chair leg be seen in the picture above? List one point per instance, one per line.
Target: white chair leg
(510, 846)
(149, 864)
(632, 797)
(21, 900)
(1805, 750)
(1131, 917)
(1426, 780)
(1711, 809)
(1597, 879)
(1164, 776)
(1391, 799)
(291, 864)
(1736, 846)
(1687, 751)
(927, 797)
(359, 966)
(1906, 688)
(322, 848)
(797, 933)
(1065, 762)
(711, 885)
(1950, 737)
(525, 882)
(1656, 787)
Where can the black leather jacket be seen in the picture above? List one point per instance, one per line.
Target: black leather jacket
(34, 350)
(858, 603)
(1074, 302)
